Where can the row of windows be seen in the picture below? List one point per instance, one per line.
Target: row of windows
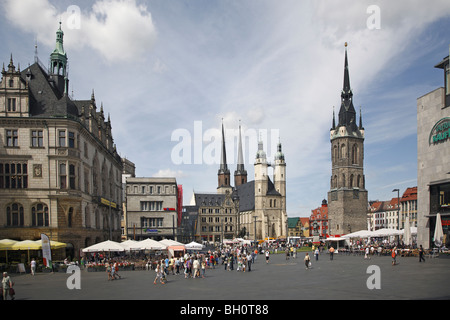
(15, 215)
(217, 210)
(352, 182)
(151, 222)
(340, 152)
(151, 206)
(13, 175)
(151, 189)
(217, 220)
(217, 229)
(65, 138)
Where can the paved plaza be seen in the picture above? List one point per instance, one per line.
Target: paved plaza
(346, 277)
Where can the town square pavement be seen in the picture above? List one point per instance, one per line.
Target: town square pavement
(346, 277)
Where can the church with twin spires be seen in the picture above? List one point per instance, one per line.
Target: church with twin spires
(254, 209)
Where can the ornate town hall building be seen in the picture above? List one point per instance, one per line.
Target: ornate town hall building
(60, 173)
(347, 198)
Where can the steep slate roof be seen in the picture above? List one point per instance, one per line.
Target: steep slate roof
(45, 99)
(246, 194)
(209, 199)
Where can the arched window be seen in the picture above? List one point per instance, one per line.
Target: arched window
(39, 215)
(358, 182)
(355, 154)
(14, 215)
(343, 152)
(351, 181)
(343, 180)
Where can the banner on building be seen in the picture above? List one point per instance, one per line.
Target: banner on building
(46, 250)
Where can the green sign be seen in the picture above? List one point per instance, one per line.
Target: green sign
(440, 131)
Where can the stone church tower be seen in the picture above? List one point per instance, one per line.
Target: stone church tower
(347, 198)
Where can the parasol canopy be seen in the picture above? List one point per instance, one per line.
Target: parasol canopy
(148, 244)
(194, 246)
(6, 244)
(107, 245)
(438, 232)
(27, 245)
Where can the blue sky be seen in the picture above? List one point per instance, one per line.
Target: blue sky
(168, 72)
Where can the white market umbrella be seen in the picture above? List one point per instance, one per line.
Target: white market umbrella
(168, 243)
(438, 232)
(148, 244)
(105, 246)
(194, 246)
(128, 244)
(358, 234)
(385, 232)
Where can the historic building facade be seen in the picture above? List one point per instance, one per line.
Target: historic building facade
(347, 198)
(253, 209)
(60, 173)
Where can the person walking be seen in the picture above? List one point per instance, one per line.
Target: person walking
(331, 253)
(421, 254)
(267, 256)
(33, 267)
(394, 256)
(159, 274)
(316, 254)
(7, 286)
(307, 260)
(203, 268)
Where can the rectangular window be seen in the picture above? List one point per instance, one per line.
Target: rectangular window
(13, 176)
(11, 104)
(71, 139)
(12, 138)
(72, 176)
(151, 205)
(62, 138)
(62, 176)
(152, 222)
(37, 138)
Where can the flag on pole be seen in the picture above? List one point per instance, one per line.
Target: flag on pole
(46, 250)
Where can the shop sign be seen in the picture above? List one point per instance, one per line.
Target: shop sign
(440, 131)
(152, 231)
(107, 203)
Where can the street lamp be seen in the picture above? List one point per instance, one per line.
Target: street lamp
(398, 207)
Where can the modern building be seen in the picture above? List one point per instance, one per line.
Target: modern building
(151, 208)
(347, 198)
(60, 173)
(433, 167)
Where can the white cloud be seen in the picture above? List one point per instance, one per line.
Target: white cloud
(169, 173)
(119, 30)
